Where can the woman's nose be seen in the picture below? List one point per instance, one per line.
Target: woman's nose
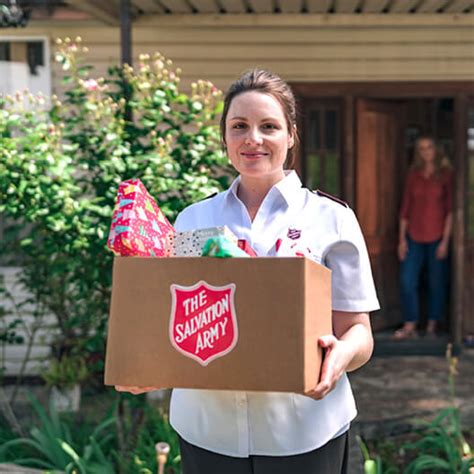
(253, 137)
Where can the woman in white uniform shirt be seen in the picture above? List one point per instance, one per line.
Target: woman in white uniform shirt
(226, 432)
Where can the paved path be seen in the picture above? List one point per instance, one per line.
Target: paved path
(392, 392)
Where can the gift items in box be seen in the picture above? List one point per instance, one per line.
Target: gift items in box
(287, 247)
(222, 247)
(139, 227)
(245, 246)
(191, 243)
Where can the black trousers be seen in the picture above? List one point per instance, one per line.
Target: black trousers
(332, 458)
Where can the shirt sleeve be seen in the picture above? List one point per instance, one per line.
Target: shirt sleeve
(406, 200)
(449, 185)
(353, 286)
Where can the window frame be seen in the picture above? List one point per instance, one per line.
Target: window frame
(469, 193)
(323, 105)
(47, 55)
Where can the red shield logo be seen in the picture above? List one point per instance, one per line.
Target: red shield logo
(294, 234)
(203, 323)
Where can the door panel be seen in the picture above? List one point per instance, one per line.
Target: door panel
(468, 280)
(378, 192)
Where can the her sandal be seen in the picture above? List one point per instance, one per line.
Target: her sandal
(404, 333)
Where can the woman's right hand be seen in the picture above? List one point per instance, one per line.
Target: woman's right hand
(135, 390)
(402, 249)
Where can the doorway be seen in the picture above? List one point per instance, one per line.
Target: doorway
(384, 134)
(386, 131)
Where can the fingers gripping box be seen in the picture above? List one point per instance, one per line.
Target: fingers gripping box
(232, 324)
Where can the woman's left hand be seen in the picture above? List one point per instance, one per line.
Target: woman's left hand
(442, 250)
(134, 390)
(348, 348)
(336, 359)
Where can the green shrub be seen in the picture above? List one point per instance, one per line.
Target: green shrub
(60, 165)
(51, 446)
(65, 372)
(441, 447)
(156, 428)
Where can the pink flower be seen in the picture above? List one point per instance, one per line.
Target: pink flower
(91, 85)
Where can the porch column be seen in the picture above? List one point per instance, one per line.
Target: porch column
(460, 157)
(126, 32)
(348, 156)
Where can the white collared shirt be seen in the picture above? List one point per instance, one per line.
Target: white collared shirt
(237, 423)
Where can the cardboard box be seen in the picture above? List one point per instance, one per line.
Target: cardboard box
(234, 324)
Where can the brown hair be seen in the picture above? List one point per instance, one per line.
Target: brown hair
(441, 161)
(267, 83)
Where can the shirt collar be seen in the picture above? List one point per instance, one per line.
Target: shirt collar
(289, 187)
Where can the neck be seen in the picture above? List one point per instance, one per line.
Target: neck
(252, 191)
(429, 168)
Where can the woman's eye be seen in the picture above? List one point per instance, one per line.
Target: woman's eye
(270, 126)
(238, 126)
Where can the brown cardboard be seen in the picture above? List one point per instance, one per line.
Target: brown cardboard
(282, 306)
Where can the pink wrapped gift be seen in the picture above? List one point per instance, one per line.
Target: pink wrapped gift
(138, 226)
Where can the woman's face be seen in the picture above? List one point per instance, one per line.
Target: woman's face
(427, 151)
(257, 136)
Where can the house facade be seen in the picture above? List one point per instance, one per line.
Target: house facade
(369, 75)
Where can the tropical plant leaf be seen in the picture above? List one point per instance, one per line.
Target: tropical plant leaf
(426, 461)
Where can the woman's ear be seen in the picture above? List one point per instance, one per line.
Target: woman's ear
(291, 140)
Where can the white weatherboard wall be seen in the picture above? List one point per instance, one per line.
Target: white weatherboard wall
(308, 48)
(12, 355)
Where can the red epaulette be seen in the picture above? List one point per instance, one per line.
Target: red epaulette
(333, 198)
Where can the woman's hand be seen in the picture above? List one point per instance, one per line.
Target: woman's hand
(336, 359)
(442, 250)
(348, 349)
(402, 249)
(135, 390)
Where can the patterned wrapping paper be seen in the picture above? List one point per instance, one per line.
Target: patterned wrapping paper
(139, 227)
(191, 243)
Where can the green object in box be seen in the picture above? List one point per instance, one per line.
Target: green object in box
(221, 247)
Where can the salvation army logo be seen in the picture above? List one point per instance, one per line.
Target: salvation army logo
(294, 234)
(203, 323)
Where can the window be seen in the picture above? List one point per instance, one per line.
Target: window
(322, 147)
(470, 172)
(24, 64)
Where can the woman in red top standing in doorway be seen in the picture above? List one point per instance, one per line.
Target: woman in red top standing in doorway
(425, 230)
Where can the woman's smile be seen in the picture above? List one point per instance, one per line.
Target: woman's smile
(254, 155)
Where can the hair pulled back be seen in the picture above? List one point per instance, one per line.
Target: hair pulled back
(265, 82)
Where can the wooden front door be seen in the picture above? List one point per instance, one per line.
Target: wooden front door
(378, 190)
(466, 280)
